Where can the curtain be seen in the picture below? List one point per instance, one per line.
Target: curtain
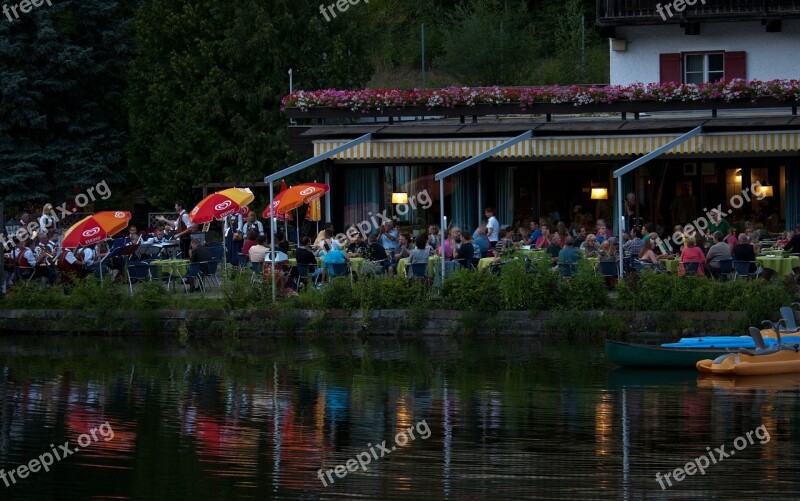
(792, 193)
(362, 194)
(505, 196)
(463, 199)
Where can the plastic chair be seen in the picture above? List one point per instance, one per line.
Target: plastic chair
(567, 269)
(138, 272)
(417, 270)
(258, 271)
(725, 269)
(338, 270)
(746, 269)
(609, 268)
(213, 266)
(304, 273)
(690, 269)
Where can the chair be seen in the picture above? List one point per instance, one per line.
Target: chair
(417, 270)
(789, 320)
(338, 270)
(304, 273)
(725, 269)
(217, 252)
(381, 265)
(213, 265)
(138, 272)
(746, 269)
(567, 270)
(690, 269)
(609, 269)
(258, 271)
(194, 272)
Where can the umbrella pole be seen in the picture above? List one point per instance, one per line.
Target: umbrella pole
(296, 226)
(272, 241)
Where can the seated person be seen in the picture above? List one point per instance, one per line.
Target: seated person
(543, 242)
(133, 237)
(465, 253)
(793, 245)
(646, 254)
(27, 260)
(745, 252)
(608, 250)
(249, 241)
(420, 253)
(306, 257)
(692, 254)
(333, 256)
(507, 242)
(357, 247)
(481, 242)
(554, 248)
(446, 249)
(589, 247)
(199, 253)
(569, 254)
(283, 244)
(257, 252)
(377, 253)
(718, 252)
(402, 250)
(71, 265)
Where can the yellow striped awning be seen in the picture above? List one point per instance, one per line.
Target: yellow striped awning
(554, 147)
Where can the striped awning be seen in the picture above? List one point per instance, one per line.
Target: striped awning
(554, 147)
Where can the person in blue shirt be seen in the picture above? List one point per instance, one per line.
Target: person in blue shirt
(481, 241)
(569, 254)
(536, 232)
(333, 256)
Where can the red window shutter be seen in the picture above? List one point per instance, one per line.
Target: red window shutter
(670, 68)
(735, 65)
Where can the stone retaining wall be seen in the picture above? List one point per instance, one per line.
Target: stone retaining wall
(599, 324)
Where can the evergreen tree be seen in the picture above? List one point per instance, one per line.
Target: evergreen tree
(62, 127)
(206, 88)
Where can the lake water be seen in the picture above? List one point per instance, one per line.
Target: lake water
(490, 419)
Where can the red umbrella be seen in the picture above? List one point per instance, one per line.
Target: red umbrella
(301, 194)
(280, 216)
(221, 204)
(95, 228)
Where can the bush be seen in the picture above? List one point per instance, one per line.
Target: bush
(471, 290)
(382, 293)
(585, 290)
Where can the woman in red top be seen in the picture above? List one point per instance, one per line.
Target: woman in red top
(692, 254)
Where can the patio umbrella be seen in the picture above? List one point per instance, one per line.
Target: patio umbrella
(279, 216)
(314, 212)
(299, 195)
(95, 228)
(221, 204)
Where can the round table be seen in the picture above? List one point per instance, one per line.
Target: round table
(782, 266)
(171, 266)
(401, 265)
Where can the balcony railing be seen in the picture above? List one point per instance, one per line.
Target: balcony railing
(624, 11)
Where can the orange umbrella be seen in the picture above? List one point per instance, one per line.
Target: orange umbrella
(221, 204)
(301, 194)
(278, 215)
(95, 228)
(314, 212)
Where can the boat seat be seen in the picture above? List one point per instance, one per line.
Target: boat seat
(787, 316)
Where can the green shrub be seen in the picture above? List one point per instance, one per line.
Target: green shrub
(471, 290)
(382, 293)
(338, 294)
(585, 290)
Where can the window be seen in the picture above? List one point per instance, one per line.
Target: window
(704, 68)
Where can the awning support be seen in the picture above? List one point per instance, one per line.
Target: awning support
(635, 165)
(291, 170)
(440, 176)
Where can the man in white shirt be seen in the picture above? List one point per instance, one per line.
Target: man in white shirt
(88, 256)
(492, 227)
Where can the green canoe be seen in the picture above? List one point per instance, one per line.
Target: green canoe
(644, 355)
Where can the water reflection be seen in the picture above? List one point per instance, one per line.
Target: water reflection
(258, 419)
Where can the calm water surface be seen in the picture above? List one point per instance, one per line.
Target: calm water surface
(257, 419)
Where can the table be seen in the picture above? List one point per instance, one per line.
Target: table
(432, 261)
(171, 267)
(782, 266)
(773, 252)
(534, 253)
(671, 265)
(485, 262)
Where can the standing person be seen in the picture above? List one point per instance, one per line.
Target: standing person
(234, 236)
(253, 223)
(183, 227)
(492, 227)
(48, 220)
(684, 207)
(631, 211)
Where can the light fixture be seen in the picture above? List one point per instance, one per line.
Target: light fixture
(737, 176)
(765, 191)
(400, 198)
(599, 193)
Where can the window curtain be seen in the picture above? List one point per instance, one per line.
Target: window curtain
(792, 193)
(463, 199)
(505, 196)
(362, 194)
(410, 181)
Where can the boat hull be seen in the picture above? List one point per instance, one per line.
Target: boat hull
(742, 364)
(651, 356)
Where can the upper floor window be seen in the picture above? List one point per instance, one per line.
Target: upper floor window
(704, 68)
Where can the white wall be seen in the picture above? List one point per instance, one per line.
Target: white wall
(769, 55)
